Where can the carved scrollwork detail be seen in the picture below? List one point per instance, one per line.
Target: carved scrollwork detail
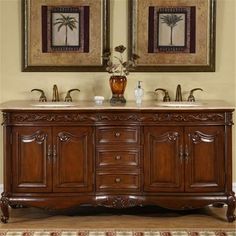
(5, 198)
(38, 137)
(160, 117)
(229, 119)
(172, 136)
(119, 202)
(206, 117)
(51, 117)
(118, 117)
(136, 117)
(5, 118)
(198, 137)
(64, 137)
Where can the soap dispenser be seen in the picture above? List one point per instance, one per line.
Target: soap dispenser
(138, 93)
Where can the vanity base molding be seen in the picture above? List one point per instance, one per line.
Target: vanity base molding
(118, 159)
(118, 202)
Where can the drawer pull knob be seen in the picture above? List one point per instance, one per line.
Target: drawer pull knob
(117, 134)
(117, 180)
(118, 157)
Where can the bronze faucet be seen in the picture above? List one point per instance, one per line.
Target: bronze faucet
(178, 95)
(42, 97)
(55, 95)
(166, 97)
(191, 98)
(68, 97)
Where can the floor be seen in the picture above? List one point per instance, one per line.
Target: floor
(133, 218)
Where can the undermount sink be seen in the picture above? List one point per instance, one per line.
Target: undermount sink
(53, 104)
(179, 104)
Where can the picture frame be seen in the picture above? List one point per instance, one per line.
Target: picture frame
(64, 36)
(173, 36)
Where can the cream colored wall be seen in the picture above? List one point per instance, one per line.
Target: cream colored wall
(15, 84)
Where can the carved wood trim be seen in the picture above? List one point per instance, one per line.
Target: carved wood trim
(39, 137)
(119, 117)
(229, 119)
(5, 198)
(52, 117)
(136, 117)
(5, 119)
(119, 202)
(198, 136)
(64, 136)
(183, 117)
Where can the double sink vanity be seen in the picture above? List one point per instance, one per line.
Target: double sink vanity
(61, 155)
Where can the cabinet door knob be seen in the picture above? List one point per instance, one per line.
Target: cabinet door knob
(117, 134)
(118, 157)
(117, 180)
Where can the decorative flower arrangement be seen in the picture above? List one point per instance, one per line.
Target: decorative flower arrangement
(121, 67)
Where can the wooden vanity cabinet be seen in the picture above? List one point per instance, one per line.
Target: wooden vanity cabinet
(57, 159)
(195, 157)
(118, 159)
(31, 166)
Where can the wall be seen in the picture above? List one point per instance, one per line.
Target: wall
(15, 84)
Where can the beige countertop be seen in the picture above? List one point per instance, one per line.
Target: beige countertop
(130, 105)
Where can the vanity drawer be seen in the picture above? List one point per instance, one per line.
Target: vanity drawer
(118, 134)
(116, 158)
(110, 181)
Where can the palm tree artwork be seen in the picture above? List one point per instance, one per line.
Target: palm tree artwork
(68, 22)
(171, 20)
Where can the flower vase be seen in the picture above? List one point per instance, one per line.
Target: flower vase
(117, 84)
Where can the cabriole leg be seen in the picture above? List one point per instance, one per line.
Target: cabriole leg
(231, 208)
(4, 203)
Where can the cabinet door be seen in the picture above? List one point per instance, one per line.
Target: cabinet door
(32, 170)
(73, 159)
(204, 159)
(163, 159)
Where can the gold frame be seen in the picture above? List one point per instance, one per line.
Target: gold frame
(35, 60)
(202, 60)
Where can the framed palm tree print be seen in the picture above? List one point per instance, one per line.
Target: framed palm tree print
(173, 35)
(65, 35)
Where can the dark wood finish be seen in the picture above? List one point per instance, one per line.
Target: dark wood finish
(118, 181)
(72, 159)
(121, 135)
(31, 163)
(163, 166)
(114, 158)
(204, 158)
(195, 156)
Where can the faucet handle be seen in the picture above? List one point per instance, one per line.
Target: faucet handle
(166, 97)
(42, 97)
(68, 97)
(191, 98)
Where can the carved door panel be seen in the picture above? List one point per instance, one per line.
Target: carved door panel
(73, 159)
(204, 159)
(163, 159)
(31, 163)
